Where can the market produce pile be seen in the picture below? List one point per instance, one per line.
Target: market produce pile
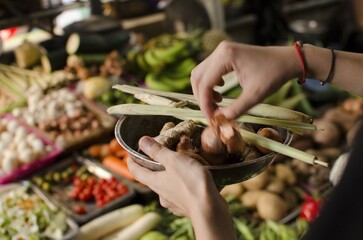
(59, 109)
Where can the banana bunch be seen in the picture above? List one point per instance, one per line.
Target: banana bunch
(165, 61)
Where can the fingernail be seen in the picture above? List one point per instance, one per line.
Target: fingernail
(145, 143)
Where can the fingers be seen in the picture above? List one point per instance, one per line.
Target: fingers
(172, 208)
(140, 173)
(154, 150)
(238, 106)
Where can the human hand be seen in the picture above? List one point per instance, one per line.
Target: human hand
(260, 72)
(185, 185)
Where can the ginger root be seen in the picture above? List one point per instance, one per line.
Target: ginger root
(186, 147)
(169, 137)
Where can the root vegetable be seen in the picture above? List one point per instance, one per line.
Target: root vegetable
(170, 137)
(249, 199)
(107, 223)
(221, 142)
(271, 134)
(250, 152)
(232, 190)
(212, 148)
(353, 106)
(275, 186)
(186, 147)
(271, 207)
(284, 173)
(329, 134)
(135, 230)
(341, 118)
(257, 182)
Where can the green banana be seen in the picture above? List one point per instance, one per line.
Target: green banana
(182, 69)
(153, 83)
(170, 54)
(141, 63)
(164, 83)
(155, 64)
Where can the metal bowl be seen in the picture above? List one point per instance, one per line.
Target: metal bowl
(129, 129)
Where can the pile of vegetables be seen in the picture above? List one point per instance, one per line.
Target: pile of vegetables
(24, 215)
(61, 115)
(112, 156)
(9, 99)
(19, 146)
(80, 190)
(26, 81)
(270, 195)
(126, 223)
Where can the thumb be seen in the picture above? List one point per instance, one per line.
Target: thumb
(154, 150)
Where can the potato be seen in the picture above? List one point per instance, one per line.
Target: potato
(276, 186)
(284, 173)
(232, 190)
(328, 133)
(257, 182)
(271, 207)
(249, 199)
(341, 118)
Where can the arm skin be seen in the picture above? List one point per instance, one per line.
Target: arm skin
(186, 187)
(262, 70)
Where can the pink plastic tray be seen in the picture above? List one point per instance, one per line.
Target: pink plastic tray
(27, 169)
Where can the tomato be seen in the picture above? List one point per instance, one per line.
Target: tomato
(100, 203)
(78, 182)
(310, 208)
(73, 195)
(79, 209)
(121, 188)
(91, 181)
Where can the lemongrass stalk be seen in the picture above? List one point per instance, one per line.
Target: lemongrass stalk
(260, 110)
(277, 122)
(280, 148)
(275, 112)
(154, 99)
(139, 109)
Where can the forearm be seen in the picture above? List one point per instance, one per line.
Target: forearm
(347, 71)
(212, 221)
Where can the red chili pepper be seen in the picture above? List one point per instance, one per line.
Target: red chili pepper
(310, 208)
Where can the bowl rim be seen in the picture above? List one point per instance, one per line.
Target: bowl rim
(132, 152)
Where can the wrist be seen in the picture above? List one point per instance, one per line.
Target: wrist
(210, 218)
(318, 62)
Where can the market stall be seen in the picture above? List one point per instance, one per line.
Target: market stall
(73, 107)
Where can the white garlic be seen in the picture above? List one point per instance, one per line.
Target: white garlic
(9, 164)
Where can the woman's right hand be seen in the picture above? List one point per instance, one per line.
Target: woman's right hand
(260, 72)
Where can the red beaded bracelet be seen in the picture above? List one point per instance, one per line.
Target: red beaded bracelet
(298, 45)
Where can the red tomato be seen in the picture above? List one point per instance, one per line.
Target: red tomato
(91, 181)
(310, 208)
(73, 195)
(100, 203)
(79, 209)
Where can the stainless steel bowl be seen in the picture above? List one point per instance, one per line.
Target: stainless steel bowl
(129, 129)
